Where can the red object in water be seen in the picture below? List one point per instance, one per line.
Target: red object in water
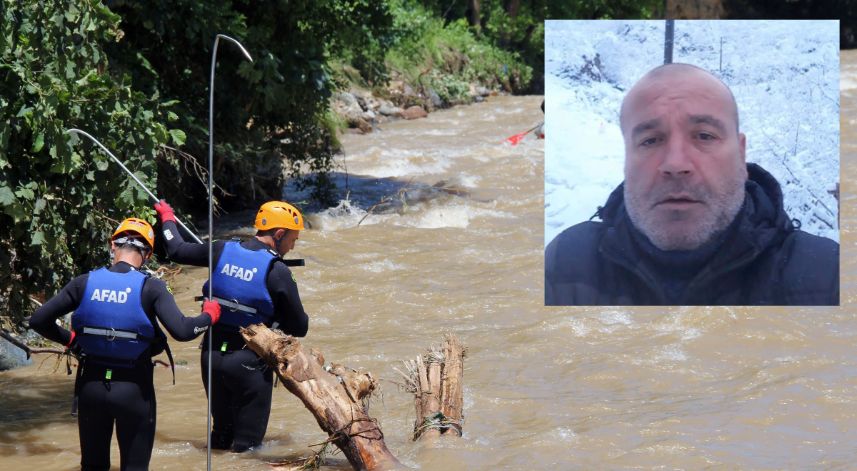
(516, 138)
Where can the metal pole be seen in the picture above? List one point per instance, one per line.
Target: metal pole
(211, 211)
(668, 42)
(152, 195)
(297, 262)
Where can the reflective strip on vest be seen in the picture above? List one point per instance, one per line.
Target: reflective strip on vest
(233, 305)
(112, 334)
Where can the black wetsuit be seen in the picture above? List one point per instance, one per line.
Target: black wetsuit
(127, 399)
(242, 386)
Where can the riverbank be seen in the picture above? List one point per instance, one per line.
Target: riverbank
(360, 109)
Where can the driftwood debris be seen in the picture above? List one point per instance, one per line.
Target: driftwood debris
(413, 194)
(435, 378)
(332, 393)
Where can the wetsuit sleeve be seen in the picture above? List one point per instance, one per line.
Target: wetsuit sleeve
(287, 302)
(67, 300)
(162, 303)
(180, 251)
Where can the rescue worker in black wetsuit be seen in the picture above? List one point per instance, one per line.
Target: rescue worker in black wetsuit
(115, 332)
(253, 286)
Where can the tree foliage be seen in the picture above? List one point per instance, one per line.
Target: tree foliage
(60, 197)
(265, 111)
(518, 26)
(135, 75)
(447, 57)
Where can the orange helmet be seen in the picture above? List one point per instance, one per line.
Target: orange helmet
(279, 215)
(139, 227)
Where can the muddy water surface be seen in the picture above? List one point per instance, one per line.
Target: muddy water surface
(545, 388)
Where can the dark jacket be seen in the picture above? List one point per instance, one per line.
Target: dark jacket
(763, 259)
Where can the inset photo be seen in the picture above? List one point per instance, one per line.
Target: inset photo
(692, 162)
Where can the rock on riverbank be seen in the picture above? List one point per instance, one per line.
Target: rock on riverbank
(11, 356)
(362, 110)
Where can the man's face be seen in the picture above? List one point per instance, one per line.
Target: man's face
(684, 158)
(288, 240)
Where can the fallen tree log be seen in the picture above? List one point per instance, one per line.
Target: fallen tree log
(334, 394)
(435, 378)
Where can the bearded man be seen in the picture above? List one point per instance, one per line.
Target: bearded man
(693, 223)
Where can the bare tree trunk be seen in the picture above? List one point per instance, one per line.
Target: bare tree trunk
(429, 375)
(435, 379)
(474, 16)
(331, 393)
(512, 8)
(452, 392)
(695, 9)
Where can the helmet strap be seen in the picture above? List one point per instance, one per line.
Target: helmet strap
(130, 243)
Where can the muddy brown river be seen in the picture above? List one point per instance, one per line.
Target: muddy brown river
(545, 388)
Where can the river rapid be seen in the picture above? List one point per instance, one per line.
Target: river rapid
(545, 388)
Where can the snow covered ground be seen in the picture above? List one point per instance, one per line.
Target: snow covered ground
(784, 75)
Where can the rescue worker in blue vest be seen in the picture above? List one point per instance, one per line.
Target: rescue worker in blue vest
(115, 334)
(252, 285)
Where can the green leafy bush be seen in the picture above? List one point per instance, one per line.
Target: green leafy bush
(425, 48)
(513, 25)
(59, 197)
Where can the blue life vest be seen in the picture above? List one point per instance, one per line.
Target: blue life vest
(240, 285)
(110, 322)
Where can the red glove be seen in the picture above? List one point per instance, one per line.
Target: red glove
(165, 211)
(212, 309)
(70, 340)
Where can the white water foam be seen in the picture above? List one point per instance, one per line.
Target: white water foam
(565, 433)
(671, 353)
(440, 132)
(438, 217)
(579, 328)
(613, 318)
(380, 266)
(469, 181)
(388, 163)
(847, 81)
(681, 324)
(342, 216)
(173, 449)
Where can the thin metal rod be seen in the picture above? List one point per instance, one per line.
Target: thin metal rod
(115, 159)
(668, 42)
(210, 224)
(211, 211)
